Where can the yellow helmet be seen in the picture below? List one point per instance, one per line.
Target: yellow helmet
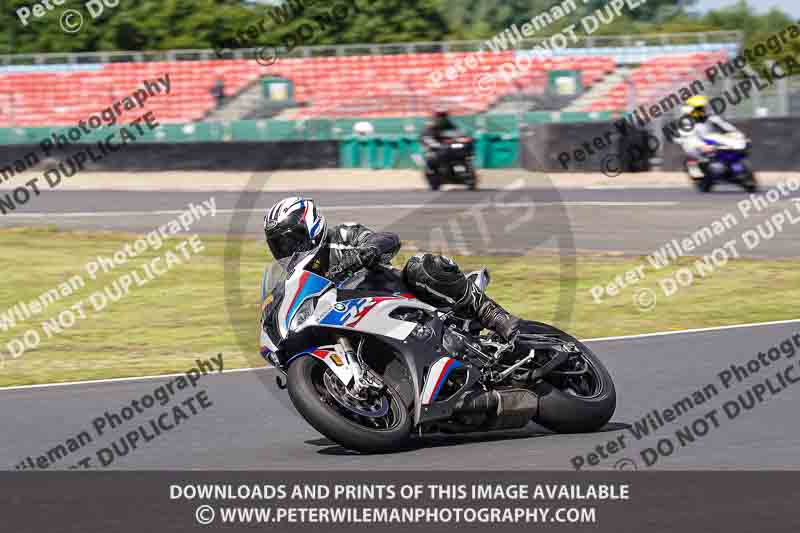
(696, 107)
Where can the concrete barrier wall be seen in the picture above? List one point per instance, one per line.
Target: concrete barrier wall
(590, 145)
(246, 156)
(587, 147)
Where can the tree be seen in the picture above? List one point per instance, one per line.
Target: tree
(203, 24)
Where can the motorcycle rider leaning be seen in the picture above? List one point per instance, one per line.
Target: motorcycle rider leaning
(692, 140)
(295, 225)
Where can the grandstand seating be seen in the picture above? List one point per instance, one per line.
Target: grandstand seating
(327, 86)
(400, 85)
(392, 85)
(656, 78)
(64, 97)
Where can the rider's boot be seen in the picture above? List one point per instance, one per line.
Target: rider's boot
(489, 313)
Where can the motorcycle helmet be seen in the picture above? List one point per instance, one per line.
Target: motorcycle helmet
(697, 108)
(441, 117)
(293, 225)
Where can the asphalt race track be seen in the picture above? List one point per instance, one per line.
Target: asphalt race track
(636, 221)
(250, 425)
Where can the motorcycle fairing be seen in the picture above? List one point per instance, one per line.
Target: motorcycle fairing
(332, 359)
(437, 376)
(371, 315)
(368, 314)
(420, 356)
(299, 288)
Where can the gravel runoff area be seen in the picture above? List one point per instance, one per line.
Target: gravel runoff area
(355, 179)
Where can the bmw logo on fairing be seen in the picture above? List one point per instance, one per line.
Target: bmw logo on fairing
(340, 307)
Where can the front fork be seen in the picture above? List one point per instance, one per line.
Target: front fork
(362, 377)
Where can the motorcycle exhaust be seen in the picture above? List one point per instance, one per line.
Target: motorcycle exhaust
(504, 408)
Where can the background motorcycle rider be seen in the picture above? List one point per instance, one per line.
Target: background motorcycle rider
(432, 139)
(692, 141)
(295, 225)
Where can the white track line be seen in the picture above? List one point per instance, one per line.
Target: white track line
(698, 330)
(123, 380)
(507, 205)
(624, 337)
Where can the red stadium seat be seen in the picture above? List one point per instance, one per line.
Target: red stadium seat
(390, 85)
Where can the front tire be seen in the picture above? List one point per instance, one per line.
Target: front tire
(308, 393)
(434, 182)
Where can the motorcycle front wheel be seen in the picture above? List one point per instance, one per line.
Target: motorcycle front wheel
(373, 422)
(434, 181)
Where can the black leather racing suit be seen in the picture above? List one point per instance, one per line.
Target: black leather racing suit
(345, 243)
(434, 279)
(432, 141)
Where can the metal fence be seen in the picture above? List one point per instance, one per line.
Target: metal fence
(591, 42)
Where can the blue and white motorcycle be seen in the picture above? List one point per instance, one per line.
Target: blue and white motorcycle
(369, 365)
(728, 161)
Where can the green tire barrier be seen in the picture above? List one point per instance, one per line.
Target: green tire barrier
(315, 129)
(377, 153)
(393, 145)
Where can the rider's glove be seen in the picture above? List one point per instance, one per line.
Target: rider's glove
(369, 256)
(366, 257)
(349, 264)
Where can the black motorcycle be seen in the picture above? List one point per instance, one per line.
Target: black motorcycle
(452, 161)
(368, 365)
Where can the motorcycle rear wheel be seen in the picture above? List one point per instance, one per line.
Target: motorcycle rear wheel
(337, 419)
(566, 411)
(749, 180)
(472, 183)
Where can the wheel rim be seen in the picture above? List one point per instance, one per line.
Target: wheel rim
(373, 410)
(578, 376)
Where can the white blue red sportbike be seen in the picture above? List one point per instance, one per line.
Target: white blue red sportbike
(368, 365)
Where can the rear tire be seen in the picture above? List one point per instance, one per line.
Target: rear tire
(306, 397)
(564, 412)
(473, 183)
(750, 183)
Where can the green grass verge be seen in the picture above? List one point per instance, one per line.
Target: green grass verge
(187, 313)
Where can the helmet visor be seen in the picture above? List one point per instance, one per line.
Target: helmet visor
(285, 242)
